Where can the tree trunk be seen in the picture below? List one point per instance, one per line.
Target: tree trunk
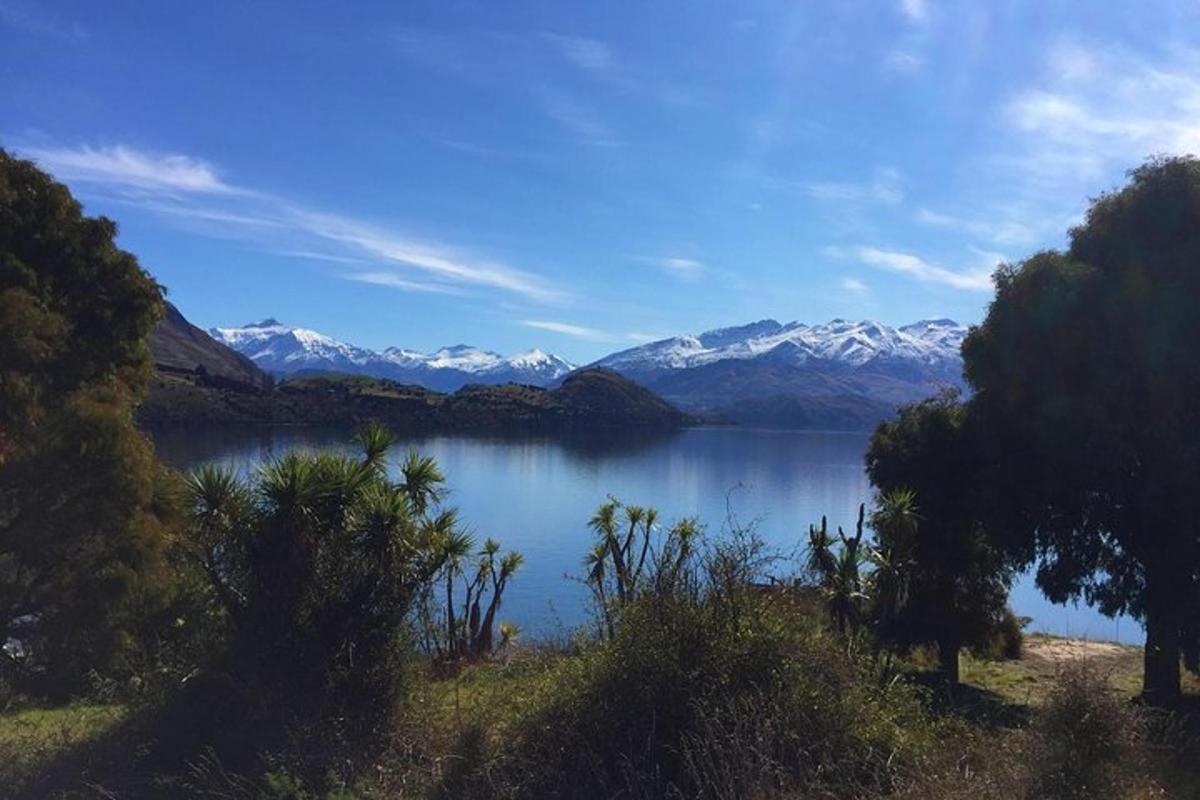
(451, 638)
(948, 659)
(1160, 673)
(1160, 679)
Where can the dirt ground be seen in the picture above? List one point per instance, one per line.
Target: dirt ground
(1058, 651)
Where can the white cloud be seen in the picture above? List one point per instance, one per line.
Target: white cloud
(439, 260)
(123, 166)
(315, 256)
(1097, 110)
(577, 118)
(977, 279)
(567, 329)
(189, 189)
(642, 338)
(914, 10)
(394, 281)
(1001, 231)
(1070, 61)
(904, 61)
(587, 54)
(886, 188)
(34, 20)
(680, 267)
(855, 286)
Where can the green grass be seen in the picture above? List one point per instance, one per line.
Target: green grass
(491, 696)
(31, 738)
(486, 705)
(1026, 681)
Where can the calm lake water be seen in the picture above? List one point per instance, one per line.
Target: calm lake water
(536, 494)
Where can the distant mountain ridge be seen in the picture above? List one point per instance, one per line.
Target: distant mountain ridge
(285, 350)
(200, 380)
(930, 342)
(840, 375)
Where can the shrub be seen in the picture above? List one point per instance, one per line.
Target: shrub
(1086, 742)
(1006, 639)
(699, 698)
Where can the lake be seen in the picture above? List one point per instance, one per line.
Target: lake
(536, 494)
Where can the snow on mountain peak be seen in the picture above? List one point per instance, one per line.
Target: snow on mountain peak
(839, 340)
(285, 349)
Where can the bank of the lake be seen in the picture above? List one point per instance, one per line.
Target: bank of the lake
(536, 493)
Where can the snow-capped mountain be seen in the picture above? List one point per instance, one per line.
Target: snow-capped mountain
(838, 375)
(929, 342)
(283, 349)
(279, 348)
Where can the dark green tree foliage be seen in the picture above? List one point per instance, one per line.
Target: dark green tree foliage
(837, 571)
(954, 583)
(317, 563)
(632, 557)
(1087, 382)
(468, 630)
(83, 503)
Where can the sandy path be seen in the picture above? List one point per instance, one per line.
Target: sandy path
(1058, 651)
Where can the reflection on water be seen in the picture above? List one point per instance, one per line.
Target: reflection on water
(536, 494)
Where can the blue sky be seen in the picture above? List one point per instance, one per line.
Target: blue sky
(582, 177)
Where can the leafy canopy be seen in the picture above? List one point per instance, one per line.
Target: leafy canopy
(84, 505)
(1086, 381)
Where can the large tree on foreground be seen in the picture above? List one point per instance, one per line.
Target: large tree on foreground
(83, 502)
(929, 535)
(1088, 399)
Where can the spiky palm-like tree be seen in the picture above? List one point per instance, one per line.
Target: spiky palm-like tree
(509, 564)
(423, 481)
(633, 555)
(455, 546)
(317, 559)
(595, 575)
(895, 521)
(838, 572)
(375, 441)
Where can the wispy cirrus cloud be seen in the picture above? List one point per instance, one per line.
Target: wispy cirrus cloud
(436, 259)
(904, 62)
(643, 338)
(678, 266)
(589, 55)
(1091, 112)
(34, 19)
(915, 11)
(978, 279)
(1005, 231)
(192, 191)
(577, 117)
(312, 255)
(855, 286)
(568, 329)
(1096, 108)
(126, 166)
(886, 187)
(395, 281)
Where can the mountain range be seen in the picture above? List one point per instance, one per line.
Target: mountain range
(840, 375)
(285, 350)
(199, 380)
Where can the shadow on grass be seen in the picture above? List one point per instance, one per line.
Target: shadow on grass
(982, 707)
(81, 769)
(151, 754)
